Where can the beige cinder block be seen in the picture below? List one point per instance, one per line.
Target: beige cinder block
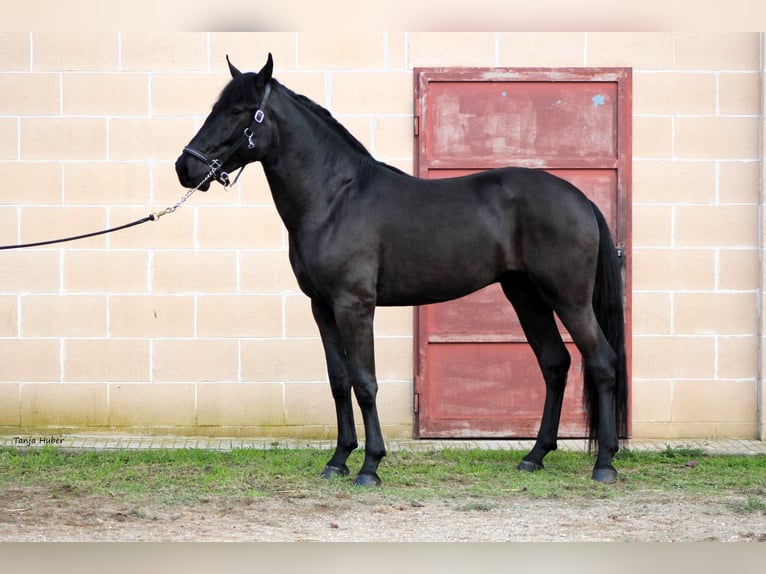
(64, 405)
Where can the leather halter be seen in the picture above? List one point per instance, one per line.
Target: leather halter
(216, 164)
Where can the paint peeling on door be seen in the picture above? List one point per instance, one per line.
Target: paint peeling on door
(598, 101)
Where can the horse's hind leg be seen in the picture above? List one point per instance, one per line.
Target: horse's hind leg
(540, 328)
(600, 370)
(340, 384)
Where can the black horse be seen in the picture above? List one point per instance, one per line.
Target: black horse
(364, 234)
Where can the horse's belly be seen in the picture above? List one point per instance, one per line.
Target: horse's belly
(432, 283)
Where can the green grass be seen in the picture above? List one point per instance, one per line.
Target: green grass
(753, 504)
(473, 477)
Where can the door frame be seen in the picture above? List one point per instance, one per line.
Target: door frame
(621, 162)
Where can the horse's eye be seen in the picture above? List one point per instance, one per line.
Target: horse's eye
(236, 111)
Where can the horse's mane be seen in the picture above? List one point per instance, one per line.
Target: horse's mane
(328, 118)
(333, 124)
(241, 89)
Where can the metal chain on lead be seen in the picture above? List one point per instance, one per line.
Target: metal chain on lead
(184, 197)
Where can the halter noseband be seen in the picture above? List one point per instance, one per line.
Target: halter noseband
(216, 164)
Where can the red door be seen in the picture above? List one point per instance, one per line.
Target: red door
(475, 374)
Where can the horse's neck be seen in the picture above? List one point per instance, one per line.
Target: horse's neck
(311, 166)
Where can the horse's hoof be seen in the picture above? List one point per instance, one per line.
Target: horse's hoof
(529, 466)
(367, 479)
(334, 471)
(606, 475)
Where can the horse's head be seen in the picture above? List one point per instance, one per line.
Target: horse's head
(237, 131)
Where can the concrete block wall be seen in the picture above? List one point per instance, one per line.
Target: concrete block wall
(194, 324)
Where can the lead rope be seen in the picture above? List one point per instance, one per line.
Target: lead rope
(151, 217)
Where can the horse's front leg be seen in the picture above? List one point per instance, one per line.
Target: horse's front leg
(355, 325)
(340, 384)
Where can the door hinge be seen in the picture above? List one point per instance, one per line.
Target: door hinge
(417, 402)
(416, 119)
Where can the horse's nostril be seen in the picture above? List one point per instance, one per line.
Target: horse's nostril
(182, 171)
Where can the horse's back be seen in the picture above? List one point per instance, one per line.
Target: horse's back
(533, 187)
(494, 205)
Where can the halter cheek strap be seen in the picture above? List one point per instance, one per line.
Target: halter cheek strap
(216, 164)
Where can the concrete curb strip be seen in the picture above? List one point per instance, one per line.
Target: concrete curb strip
(131, 442)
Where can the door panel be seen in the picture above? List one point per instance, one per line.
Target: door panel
(544, 120)
(475, 386)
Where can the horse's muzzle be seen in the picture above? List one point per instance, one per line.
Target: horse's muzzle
(190, 176)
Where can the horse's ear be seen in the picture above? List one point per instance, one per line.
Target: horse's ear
(265, 74)
(234, 71)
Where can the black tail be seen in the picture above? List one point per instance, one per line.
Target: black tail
(608, 306)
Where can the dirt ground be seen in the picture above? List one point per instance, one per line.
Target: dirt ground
(27, 514)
